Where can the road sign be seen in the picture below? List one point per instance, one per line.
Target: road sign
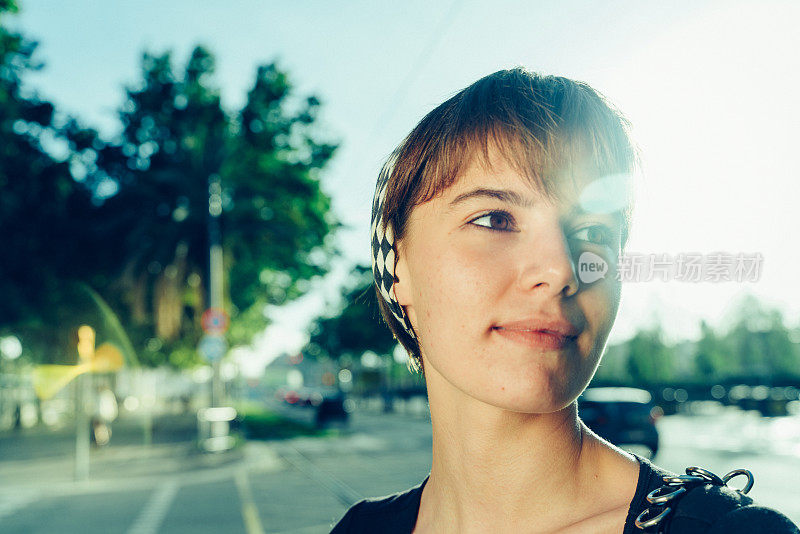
(215, 321)
(212, 347)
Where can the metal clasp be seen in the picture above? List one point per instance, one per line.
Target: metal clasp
(736, 473)
(706, 474)
(655, 498)
(643, 523)
(678, 485)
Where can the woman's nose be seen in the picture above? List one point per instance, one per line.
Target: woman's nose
(550, 267)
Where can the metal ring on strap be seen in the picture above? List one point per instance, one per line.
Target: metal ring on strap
(680, 480)
(708, 475)
(654, 497)
(695, 476)
(643, 523)
(737, 472)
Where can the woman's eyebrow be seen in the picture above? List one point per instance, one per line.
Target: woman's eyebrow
(504, 195)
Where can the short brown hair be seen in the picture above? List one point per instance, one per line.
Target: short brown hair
(542, 125)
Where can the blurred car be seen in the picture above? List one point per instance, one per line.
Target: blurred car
(332, 408)
(329, 404)
(623, 416)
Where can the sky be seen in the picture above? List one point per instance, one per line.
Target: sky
(709, 86)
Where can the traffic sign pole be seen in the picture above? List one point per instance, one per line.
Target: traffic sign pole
(213, 422)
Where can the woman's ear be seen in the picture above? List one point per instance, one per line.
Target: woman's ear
(402, 279)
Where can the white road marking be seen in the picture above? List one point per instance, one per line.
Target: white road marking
(11, 503)
(154, 512)
(252, 522)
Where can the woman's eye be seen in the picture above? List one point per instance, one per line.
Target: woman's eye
(496, 220)
(598, 235)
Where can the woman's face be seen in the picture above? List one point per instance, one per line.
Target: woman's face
(484, 266)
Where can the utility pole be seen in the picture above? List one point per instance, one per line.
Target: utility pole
(214, 421)
(215, 273)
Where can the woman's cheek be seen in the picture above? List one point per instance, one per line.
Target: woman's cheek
(485, 259)
(599, 303)
(461, 278)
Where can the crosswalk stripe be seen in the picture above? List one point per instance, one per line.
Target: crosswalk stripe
(154, 512)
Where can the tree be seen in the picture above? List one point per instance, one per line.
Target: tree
(355, 327)
(152, 188)
(649, 358)
(759, 343)
(127, 216)
(711, 356)
(44, 214)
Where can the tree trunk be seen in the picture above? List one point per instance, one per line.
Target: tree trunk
(168, 297)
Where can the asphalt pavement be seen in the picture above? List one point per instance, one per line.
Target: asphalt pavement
(302, 485)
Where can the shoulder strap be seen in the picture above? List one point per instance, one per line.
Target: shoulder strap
(703, 506)
(690, 503)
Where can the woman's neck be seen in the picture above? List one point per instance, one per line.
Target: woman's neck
(496, 470)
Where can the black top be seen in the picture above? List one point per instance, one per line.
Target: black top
(397, 513)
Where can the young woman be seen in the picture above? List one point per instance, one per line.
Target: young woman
(483, 221)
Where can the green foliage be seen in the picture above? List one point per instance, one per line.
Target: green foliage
(756, 347)
(258, 422)
(152, 187)
(613, 366)
(43, 211)
(759, 345)
(9, 6)
(129, 216)
(710, 359)
(649, 358)
(356, 328)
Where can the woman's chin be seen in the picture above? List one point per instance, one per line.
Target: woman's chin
(531, 407)
(527, 397)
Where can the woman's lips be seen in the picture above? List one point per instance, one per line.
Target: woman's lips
(538, 339)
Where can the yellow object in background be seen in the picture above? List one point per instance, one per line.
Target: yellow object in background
(107, 359)
(86, 338)
(50, 379)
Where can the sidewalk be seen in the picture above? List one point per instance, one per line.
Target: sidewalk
(42, 458)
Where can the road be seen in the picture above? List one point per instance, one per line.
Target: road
(304, 485)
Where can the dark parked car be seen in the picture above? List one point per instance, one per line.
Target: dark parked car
(329, 404)
(623, 416)
(332, 408)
